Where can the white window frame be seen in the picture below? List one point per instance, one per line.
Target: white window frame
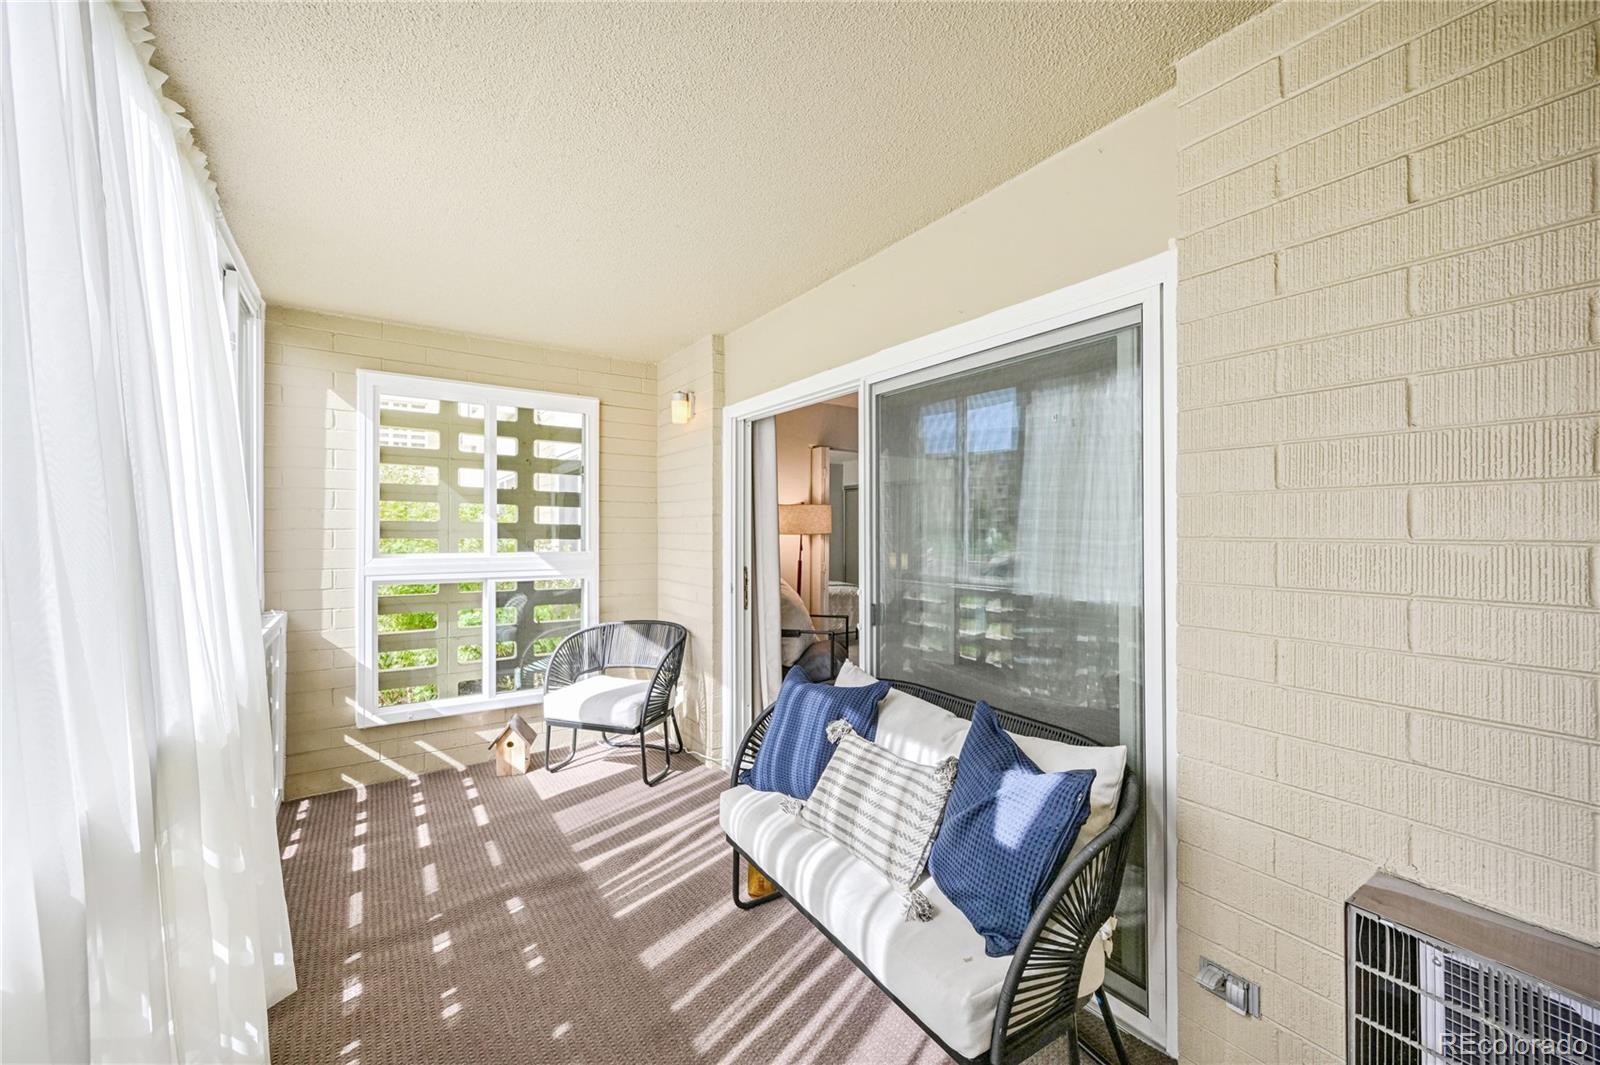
(488, 566)
(245, 311)
(1150, 284)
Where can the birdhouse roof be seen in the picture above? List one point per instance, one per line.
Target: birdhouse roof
(520, 727)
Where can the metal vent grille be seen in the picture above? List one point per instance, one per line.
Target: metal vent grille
(1414, 1000)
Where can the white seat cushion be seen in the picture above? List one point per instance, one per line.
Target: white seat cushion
(937, 968)
(599, 699)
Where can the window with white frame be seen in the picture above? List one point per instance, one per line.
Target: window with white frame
(479, 542)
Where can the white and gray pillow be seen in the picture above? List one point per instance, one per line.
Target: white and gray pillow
(884, 808)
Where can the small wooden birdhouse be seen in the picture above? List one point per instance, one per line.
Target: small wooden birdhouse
(513, 748)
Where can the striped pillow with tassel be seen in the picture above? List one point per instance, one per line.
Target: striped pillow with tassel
(884, 808)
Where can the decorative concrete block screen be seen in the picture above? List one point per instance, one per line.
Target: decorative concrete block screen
(1388, 392)
(311, 523)
(430, 489)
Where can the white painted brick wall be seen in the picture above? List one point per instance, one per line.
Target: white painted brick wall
(1389, 477)
(688, 516)
(310, 517)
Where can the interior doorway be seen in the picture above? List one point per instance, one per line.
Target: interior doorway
(805, 528)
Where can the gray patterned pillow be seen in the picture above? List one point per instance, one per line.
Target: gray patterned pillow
(884, 808)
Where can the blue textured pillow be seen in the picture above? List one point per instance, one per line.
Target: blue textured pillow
(795, 750)
(1006, 828)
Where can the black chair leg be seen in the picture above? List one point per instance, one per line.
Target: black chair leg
(666, 738)
(1111, 1026)
(551, 767)
(739, 900)
(644, 764)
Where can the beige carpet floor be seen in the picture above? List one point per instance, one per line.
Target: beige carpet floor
(574, 918)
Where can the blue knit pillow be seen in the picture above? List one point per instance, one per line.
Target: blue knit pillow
(795, 750)
(1006, 829)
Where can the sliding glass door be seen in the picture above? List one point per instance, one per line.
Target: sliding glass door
(1009, 552)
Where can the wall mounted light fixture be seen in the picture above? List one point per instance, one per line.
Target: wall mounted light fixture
(682, 407)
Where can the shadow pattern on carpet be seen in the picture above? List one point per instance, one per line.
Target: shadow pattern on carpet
(577, 917)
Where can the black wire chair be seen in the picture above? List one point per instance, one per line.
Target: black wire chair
(635, 645)
(1039, 1000)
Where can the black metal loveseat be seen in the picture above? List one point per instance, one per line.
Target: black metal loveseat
(1038, 1001)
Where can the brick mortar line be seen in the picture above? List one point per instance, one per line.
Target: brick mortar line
(1370, 539)
(1456, 135)
(1290, 46)
(1586, 741)
(1292, 978)
(1403, 431)
(1320, 897)
(1275, 59)
(1512, 360)
(1411, 264)
(1233, 1052)
(1404, 763)
(1587, 870)
(1404, 45)
(1408, 207)
(1578, 805)
(1588, 286)
(1514, 667)
(1409, 92)
(1256, 918)
(1583, 478)
(1576, 611)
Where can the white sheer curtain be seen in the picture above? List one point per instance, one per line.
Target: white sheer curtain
(765, 577)
(1078, 508)
(144, 916)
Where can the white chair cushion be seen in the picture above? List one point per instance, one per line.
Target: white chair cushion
(937, 968)
(916, 729)
(598, 699)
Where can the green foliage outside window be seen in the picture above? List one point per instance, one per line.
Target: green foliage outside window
(407, 589)
(413, 621)
(417, 693)
(408, 659)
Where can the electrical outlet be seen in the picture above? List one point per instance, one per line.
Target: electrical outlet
(1242, 996)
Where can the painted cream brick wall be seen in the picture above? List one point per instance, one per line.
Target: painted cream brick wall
(311, 520)
(1389, 393)
(689, 513)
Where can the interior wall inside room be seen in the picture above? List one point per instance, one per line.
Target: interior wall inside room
(1104, 202)
(797, 431)
(311, 521)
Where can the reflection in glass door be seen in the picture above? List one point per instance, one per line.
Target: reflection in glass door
(1009, 548)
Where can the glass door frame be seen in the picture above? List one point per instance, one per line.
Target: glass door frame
(1149, 285)
(1138, 308)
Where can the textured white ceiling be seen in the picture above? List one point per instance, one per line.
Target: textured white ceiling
(626, 177)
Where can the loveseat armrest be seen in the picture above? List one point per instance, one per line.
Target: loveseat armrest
(1039, 999)
(745, 756)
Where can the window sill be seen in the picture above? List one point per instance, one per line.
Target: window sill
(444, 708)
